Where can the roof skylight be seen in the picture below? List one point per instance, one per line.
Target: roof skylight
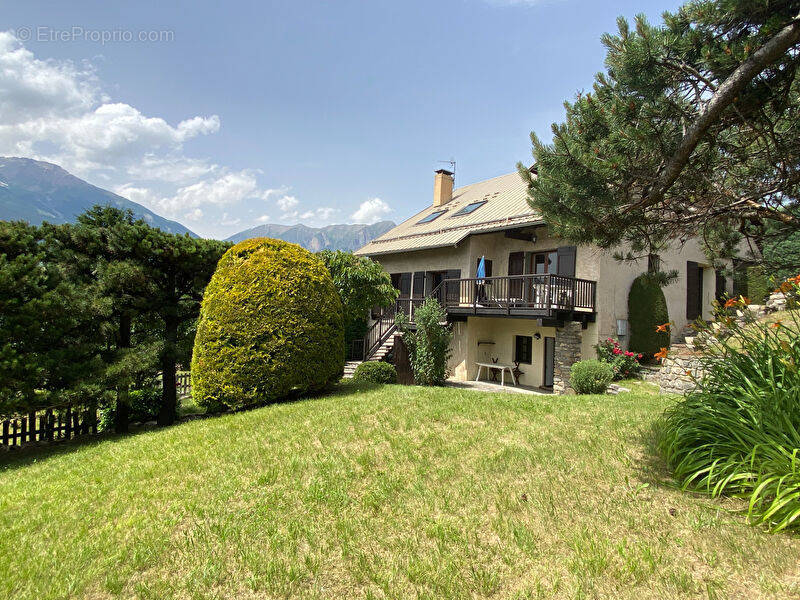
(431, 217)
(470, 208)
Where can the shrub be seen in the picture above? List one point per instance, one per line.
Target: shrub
(429, 345)
(270, 325)
(144, 405)
(738, 432)
(647, 309)
(375, 372)
(590, 376)
(624, 363)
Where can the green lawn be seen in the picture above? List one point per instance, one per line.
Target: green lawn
(392, 492)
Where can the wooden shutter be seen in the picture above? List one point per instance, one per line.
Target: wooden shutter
(566, 261)
(418, 290)
(693, 274)
(405, 285)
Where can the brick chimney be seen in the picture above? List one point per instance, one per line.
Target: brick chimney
(442, 187)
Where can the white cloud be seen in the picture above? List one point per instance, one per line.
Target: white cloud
(287, 203)
(226, 190)
(194, 215)
(32, 89)
(263, 219)
(56, 110)
(266, 194)
(371, 211)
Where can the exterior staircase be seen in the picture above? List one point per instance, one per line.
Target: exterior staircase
(350, 368)
(383, 350)
(377, 355)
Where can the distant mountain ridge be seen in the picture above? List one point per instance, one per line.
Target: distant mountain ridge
(37, 191)
(332, 237)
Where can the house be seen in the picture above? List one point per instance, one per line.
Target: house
(543, 303)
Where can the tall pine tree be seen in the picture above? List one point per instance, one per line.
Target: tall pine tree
(693, 130)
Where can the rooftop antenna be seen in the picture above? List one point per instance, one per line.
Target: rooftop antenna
(452, 163)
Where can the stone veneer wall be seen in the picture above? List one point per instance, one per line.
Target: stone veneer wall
(674, 376)
(567, 353)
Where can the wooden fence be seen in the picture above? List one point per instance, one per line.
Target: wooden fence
(51, 425)
(48, 425)
(183, 383)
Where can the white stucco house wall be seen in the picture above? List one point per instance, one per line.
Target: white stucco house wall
(544, 302)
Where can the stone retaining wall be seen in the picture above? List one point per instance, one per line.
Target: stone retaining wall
(675, 375)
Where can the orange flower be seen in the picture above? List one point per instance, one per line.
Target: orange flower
(662, 328)
(776, 324)
(731, 302)
(795, 279)
(661, 354)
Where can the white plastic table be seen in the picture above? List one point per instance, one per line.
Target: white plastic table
(501, 368)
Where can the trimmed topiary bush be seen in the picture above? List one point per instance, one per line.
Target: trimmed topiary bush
(591, 376)
(375, 372)
(270, 325)
(647, 309)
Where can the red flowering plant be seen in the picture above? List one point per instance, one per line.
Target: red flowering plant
(625, 363)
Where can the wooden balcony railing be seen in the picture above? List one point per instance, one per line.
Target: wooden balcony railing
(546, 295)
(379, 332)
(533, 295)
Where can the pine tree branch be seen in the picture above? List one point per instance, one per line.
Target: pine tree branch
(724, 96)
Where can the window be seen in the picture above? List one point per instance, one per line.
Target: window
(469, 208)
(544, 262)
(431, 217)
(523, 349)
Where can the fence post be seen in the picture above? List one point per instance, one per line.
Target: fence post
(32, 426)
(50, 424)
(5, 433)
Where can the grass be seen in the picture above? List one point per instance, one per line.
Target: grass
(383, 492)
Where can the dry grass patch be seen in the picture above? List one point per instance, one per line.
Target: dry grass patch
(385, 492)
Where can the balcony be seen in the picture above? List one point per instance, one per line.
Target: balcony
(537, 296)
(552, 298)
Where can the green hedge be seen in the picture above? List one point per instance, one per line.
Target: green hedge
(375, 372)
(270, 326)
(591, 376)
(647, 308)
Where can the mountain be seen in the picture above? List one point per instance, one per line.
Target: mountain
(332, 237)
(36, 191)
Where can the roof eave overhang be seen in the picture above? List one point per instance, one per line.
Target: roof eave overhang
(451, 244)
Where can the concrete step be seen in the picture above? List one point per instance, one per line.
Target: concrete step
(350, 367)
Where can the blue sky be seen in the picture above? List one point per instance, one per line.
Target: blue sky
(241, 113)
